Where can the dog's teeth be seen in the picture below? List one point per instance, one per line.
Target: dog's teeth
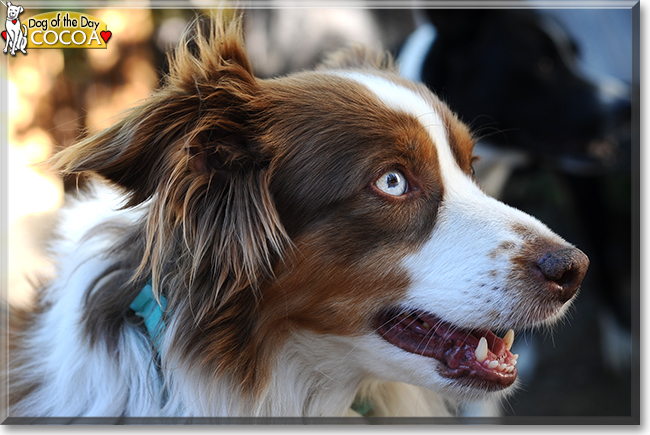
(502, 367)
(481, 350)
(509, 339)
(493, 364)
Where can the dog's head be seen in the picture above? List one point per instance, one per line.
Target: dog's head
(328, 209)
(13, 11)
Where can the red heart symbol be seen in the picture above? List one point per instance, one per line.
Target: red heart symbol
(106, 35)
(4, 35)
(14, 21)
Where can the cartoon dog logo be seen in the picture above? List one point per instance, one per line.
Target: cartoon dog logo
(15, 36)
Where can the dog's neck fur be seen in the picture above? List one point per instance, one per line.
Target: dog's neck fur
(301, 385)
(305, 385)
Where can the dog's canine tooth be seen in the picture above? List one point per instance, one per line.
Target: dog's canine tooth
(509, 339)
(481, 350)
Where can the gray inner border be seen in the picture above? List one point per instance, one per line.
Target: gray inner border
(633, 419)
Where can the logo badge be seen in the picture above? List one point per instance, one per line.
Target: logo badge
(53, 30)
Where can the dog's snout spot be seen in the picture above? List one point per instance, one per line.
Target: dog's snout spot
(503, 248)
(494, 315)
(565, 269)
(523, 231)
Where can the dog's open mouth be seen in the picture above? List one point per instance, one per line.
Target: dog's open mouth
(479, 356)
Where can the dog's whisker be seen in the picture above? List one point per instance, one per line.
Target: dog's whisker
(375, 330)
(330, 378)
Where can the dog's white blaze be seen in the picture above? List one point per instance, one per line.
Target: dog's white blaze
(456, 274)
(459, 274)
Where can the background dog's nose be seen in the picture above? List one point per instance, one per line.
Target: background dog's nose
(564, 268)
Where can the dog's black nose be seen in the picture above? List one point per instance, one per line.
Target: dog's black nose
(564, 269)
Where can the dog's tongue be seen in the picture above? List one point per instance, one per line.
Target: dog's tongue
(473, 354)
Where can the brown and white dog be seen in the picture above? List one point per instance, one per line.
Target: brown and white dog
(310, 240)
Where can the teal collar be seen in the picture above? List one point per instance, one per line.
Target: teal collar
(151, 309)
(362, 406)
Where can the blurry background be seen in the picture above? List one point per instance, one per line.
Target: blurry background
(582, 187)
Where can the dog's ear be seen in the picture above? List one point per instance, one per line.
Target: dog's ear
(21, 10)
(191, 149)
(358, 57)
(197, 122)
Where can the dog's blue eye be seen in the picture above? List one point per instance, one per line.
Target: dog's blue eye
(393, 183)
